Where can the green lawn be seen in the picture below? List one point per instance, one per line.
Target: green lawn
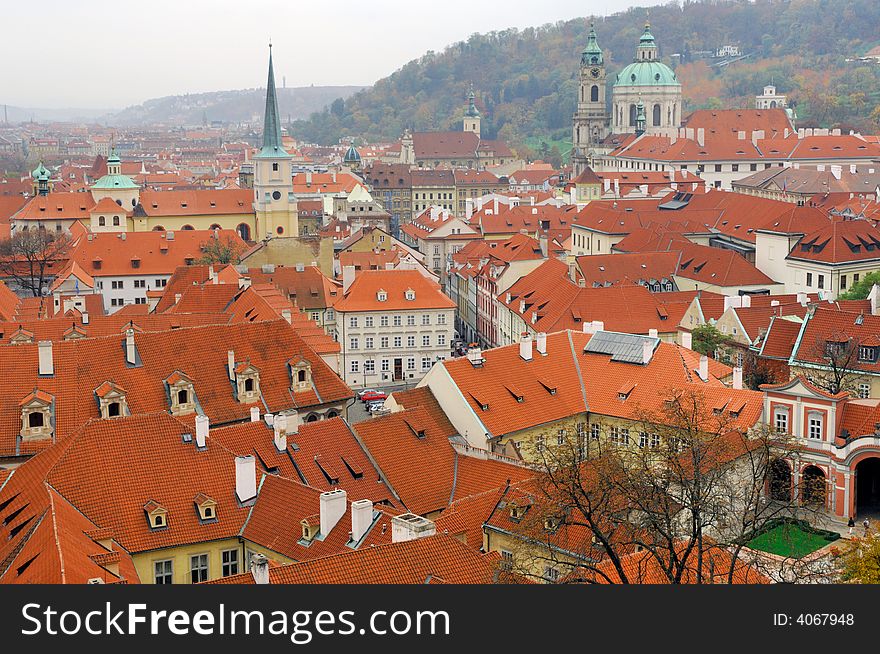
(787, 540)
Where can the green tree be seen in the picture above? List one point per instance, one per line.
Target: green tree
(860, 290)
(224, 251)
(861, 560)
(706, 339)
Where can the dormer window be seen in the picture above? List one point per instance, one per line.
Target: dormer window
(181, 394)
(247, 381)
(21, 336)
(551, 523)
(112, 400)
(36, 416)
(410, 294)
(206, 507)
(300, 375)
(310, 528)
(157, 515)
(867, 353)
(518, 511)
(381, 295)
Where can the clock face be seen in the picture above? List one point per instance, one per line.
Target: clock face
(595, 72)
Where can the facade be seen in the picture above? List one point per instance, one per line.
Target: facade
(393, 326)
(770, 99)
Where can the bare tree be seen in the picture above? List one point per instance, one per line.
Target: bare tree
(28, 255)
(673, 498)
(839, 354)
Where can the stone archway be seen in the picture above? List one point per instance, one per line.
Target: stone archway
(814, 486)
(867, 485)
(780, 481)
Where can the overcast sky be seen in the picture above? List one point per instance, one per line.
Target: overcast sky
(111, 54)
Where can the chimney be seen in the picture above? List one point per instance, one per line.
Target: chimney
(802, 299)
(598, 326)
(361, 519)
(525, 346)
(774, 303)
(245, 478)
(588, 327)
(704, 368)
(212, 274)
(541, 343)
(46, 365)
(687, 340)
(285, 313)
(130, 351)
(701, 136)
(652, 333)
(177, 297)
(495, 206)
(260, 568)
(280, 428)
(746, 301)
(475, 356)
(738, 378)
(230, 364)
(647, 351)
(85, 317)
(410, 526)
(333, 505)
(347, 277)
(203, 426)
(836, 171)
(292, 423)
(874, 297)
(255, 414)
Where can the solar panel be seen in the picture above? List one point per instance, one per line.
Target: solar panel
(627, 348)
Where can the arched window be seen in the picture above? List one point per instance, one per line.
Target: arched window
(656, 115)
(187, 228)
(215, 226)
(312, 418)
(249, 385)
(301, 376)
(773, 104)
(102, 221)
(158, 228)
(332, 414)
(244, 230)
(35, 419)
(633, 115)
(594, 93)
(780, 481)
(814, 488)
(116, 221)
(182, 396)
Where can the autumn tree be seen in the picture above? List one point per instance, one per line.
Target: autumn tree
(28, 255)
(861, 560)
(839, 354)
(225, 251)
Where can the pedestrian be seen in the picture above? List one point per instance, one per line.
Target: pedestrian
(866, 524)
(851, 524)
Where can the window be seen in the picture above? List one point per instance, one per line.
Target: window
(198, 568)
(809, 279)
(368, 342)
(410, 341)
(717, 168)
(441, 318)
(426, 363)
(386, 365)
(780, 420)
(426, 340)
(163, 572)
(411, 363)
(655, 440)
(864, 391)
(383, 321)
(551, 574)
(855, 278)
(867, 353)
(506, 560)
(539, 443)
(426, 319)
(275, 167)
(229, 559)
(397, 321)
(398, 341)
(368, 321)
(161, 283)
(140, 283)
(815, 425)
(355, 366)
(383, 341)
(369, 366)
(117, 285)
(116, 221)
(410, 321)
(441, 339)
(821, 281)
(594, 431)
(842, 282)
(560, 437)
(353, 321)
(643, 439)
(353, 343)
(619, 436)
(102, 221)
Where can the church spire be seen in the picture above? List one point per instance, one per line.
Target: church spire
(592, 54)
(272, 146)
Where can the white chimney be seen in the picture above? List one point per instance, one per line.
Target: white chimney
(701, 136)
(292, 423)
(203, 426)
(874, 297)
(230, 364)
(746, 301)
(410, 526)
(333, 505)
(652, 333)
(541, 343)
(704, 368)
(287, 315)
(687, 340)
(495, 205)
(347, 277)
(45, 363)
(836, 171)
(245, 477)
(361, 519)
(177, 297)
(738, 378)
(525, 346)
(588, 327)
(475, 356)
(260, 568)
(802, 299)
(598, 326)
(212, 274)
(255, 414)
(130, 351)
(85, 317)
(280, 428)
(647, 351)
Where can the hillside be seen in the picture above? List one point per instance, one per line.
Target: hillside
(526, 79)
(228, 106)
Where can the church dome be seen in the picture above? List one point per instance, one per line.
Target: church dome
(646, 73)
(352, 155)
(40, 172)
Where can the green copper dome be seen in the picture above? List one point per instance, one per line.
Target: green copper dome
(646, 73)
(40, 172)
(472, 110)
(352, 155)
(592, 54)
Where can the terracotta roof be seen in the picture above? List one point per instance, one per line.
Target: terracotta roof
(62, 206)
(780, 338)
(421, 561)
(826, 324)
(839, 241)
(9, 302)
(610, 269)
(157, 204)
(362, 294)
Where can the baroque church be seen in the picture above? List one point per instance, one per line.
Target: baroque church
(645, 98)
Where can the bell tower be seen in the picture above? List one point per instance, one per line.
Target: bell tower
(274, 202)
(472, 115)
(590, 125)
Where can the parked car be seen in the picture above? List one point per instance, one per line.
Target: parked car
(375, 407)
(373, 396)
(361, 394)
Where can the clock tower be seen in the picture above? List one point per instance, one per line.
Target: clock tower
(590, 125)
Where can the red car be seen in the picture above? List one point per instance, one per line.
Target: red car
(373, 396)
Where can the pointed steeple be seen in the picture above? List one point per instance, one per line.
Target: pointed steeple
(472, 105)
(592, 54)
(272, 146)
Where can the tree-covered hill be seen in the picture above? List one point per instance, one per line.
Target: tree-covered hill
(526, 79)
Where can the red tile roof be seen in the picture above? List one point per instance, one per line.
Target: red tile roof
(363, 292)
(157, 204)
(839, 241)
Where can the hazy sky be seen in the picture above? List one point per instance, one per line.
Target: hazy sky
(111, 54)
